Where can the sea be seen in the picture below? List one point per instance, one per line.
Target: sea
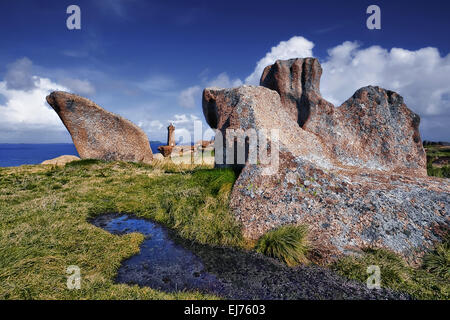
(13, 155)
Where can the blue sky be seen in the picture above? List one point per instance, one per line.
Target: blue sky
(148, 61)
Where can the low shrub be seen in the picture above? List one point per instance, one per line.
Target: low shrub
(288, 244)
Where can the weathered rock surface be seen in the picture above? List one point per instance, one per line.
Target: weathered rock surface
(99, 134)
(349, 199)
(61, 160)
(166, 151)
(158, 156)
(373, 129)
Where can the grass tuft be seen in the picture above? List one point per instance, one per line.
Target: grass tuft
(397, 275)
(288, 244)
(438, 261)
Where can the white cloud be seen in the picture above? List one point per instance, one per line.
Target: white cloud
(29, 108)
(224, 81)
(24, 111)
(422, 77)
(183, 136)
(296, 47)
(184, 119)
(81, 87)
(150, 126)
(19, 75)
(192, 96)
(189, 97)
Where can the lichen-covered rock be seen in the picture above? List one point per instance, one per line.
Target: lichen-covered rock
(373, 129)
(382, 199)
(99, 134)
(345, 210)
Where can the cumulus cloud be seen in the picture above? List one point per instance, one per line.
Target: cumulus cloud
(184, 127)
(296, 47)
(81, 87)
(192, 96)
(183, 119)
(150, 126)
(23, 107)
(19, 75)
(224, 81)
(421, 76)
(189, 97)
(29, 108)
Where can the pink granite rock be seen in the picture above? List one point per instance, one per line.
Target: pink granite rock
(354, 174)
(99, 134)
(373, 129)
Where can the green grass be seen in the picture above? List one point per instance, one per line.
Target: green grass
(438, 261)
(430, 281)
(437, 151)
(434, 152)
(44, 228)
(440, 172)
(288, 244)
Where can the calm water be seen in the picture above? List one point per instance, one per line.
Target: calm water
(12, 155)
(162, 263)
(168, 263)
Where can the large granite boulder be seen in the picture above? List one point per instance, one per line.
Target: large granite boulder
(323, 178)
(373, 129)
(99, 134)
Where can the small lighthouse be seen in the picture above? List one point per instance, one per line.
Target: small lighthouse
(171, 135)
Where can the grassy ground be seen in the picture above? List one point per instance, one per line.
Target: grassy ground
(44, 227)
(434, 152)
(428, 281)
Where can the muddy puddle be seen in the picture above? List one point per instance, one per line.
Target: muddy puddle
(169, 263)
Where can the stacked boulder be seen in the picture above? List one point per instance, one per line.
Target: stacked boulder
(356, 174)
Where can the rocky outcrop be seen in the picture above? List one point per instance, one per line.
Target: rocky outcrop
(166, 151)
(61, 160)
(373, 129)
(99, 134)
(355, 174)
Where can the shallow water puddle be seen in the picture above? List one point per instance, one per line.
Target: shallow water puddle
(170, 264)
(162, 263)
